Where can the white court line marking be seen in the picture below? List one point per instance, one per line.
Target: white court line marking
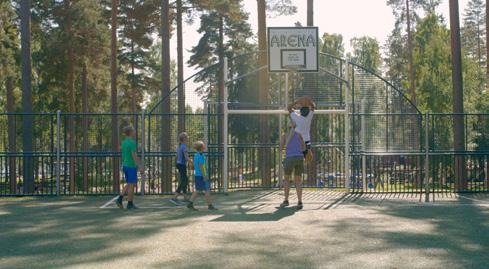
(473, 199)
(109, 202)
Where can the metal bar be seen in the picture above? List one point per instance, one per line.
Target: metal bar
(143, 151)
(363, 131)
(58, 151)
(427, 156)
(279, 111)
(347, 130)
(225, 123)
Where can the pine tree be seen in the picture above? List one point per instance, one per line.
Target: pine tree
(474, 37)
(138, 20)
(458, 96)
(9, 49)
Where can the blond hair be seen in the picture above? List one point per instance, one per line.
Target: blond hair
(199, 146)
(182, 136)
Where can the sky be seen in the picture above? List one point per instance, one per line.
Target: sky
(350, 18)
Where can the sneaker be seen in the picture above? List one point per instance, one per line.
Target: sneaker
(300, 206)
(285, 203)
(174, 201)
(118, 202)
(211, 207)
(191, 206)
(131, 206)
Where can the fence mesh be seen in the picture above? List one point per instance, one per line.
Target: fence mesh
(387, 139)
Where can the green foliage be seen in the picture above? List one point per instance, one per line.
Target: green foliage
(333, 44)
(433, 65)
(366, 52)
(474, 42)
(138, 20)
(9, 46)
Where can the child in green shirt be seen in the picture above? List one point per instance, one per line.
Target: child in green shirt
(130, 165)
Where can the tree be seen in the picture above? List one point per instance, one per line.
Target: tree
(113, 95)
(366, 52)
(458, 96)
(181, 88)
(400, 47)
(474, 37)
(432, 59)
(9, 46)
(138, 20)
(27, 121)
(280, 7)
(165, 90)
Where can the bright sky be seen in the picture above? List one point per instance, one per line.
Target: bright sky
(351, 18)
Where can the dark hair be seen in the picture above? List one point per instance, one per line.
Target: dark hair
(304, 111)
(128, 130)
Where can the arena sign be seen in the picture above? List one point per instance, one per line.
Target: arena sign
(293, 48)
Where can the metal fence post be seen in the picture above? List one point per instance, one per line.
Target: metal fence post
(143, 151)
(427, 156)
(58, 151)
(225, 123)
(347, 129)
(364, 146)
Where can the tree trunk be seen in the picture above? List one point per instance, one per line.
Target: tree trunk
(84, 89)
(27, 121)
(181, 87)
(134, 94)
(264, 152)
(310, 12)
(12, 147)
(487, 43)
(311, 78)
(221, 91)
(412, 85)
(70, 80)
(458, 97)
(166, 177)
(113, 98)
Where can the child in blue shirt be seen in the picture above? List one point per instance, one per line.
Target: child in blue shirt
(182, 160)
(201, 177)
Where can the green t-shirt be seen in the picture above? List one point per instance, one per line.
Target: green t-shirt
(128, 147)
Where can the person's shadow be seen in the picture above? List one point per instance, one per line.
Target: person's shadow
(243, 216)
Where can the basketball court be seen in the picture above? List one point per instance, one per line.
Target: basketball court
(334, 228)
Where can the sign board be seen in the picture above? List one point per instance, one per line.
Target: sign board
(293, 48)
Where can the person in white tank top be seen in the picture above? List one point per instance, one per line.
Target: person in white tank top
(303, 117)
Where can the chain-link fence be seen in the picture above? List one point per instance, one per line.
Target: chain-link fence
(382, 144)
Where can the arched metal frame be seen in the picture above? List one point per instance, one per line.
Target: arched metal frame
(346, 77)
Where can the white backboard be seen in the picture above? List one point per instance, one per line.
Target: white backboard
(293, 48)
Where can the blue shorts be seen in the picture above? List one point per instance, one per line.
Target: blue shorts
(201, 184)
(131, 174)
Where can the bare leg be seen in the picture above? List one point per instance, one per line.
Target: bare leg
(130, 195)
(124, 190)
(194, 196)
(208, 197)
(298, 188)
(286, 187)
